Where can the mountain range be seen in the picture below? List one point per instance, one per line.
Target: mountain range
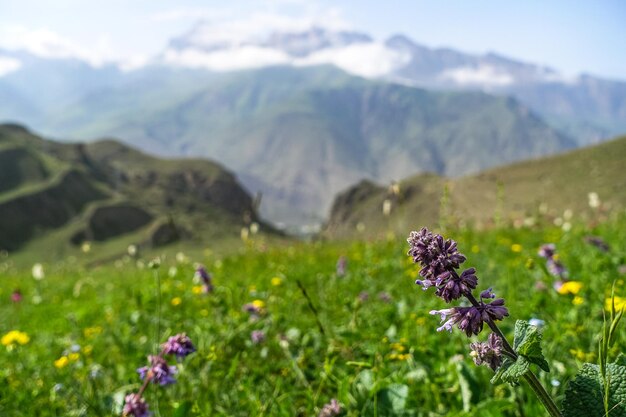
(300, 116)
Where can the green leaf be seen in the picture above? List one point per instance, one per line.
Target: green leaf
(513, 373)
(470, 386)
(392, 400)
(584, 394)
(527, 343)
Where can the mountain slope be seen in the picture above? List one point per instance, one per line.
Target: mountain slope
(106, 190)
(526, 190)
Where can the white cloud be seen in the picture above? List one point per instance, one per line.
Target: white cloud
(48, 44)
(8, 65)
(485, 75)
(258, 26)
(364, 59)
(227, 59)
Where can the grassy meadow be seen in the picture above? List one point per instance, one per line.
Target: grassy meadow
(365, 338)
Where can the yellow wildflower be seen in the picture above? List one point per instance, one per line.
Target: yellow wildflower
(61, 362)
(620, 303)
(92, 331)
(276, 281)
(176, 301)
(516, 247)
(260, 304)
(570, 287)
(15, 337)
(87, 350)
(398, 347)
(73, 357)
(197, 289)
(578, 300)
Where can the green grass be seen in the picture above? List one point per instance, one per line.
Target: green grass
(298, 368)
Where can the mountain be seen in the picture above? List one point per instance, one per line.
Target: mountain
(521, 193)
(585, 107)
(299, 135)
(105, 190)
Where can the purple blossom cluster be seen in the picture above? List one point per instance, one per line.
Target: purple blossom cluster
(206, 278)
(158, 372)
(488, 353)
(554, 265)
(179, 345)
(331, 409)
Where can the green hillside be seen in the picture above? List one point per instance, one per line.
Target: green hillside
(106, 191)
(523, 193)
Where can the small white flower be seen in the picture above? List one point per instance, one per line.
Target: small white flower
(38, 273)
(536, 322)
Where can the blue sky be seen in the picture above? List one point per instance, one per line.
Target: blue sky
(570, 36)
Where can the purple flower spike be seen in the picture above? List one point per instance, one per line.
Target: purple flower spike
(488, 293)
(547, 251)
(488, 353)
(342, 265)
(135, 406)
(556, 268)
(207, 279)
(159, 371)
(179, 345)
(470, 319)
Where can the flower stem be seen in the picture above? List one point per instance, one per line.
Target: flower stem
(529, 376)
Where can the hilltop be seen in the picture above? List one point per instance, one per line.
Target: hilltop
(108, 192)
(517, 194)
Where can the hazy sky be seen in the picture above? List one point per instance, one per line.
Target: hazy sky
(570, 36)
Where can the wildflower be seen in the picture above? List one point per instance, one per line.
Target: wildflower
(257, 336)
(570, 287)
(179, 345)
(159, 371)
(489, 352)
(451, 286)
(516, 247)
(255, 308)
(363, 296)
(342, 264)
(16, 296)
(556, 268)
(132, 251)
(176, 301)
(384, 297)
(471, 319)
(594, 200)
(386, 207)
(598, 243)
(578, 300)
(135, 406)
(620, 303)
(15, 337)
(207, 279)
(276, 281)
(331, 409)
(38, 272)
(547, 251)
(61, 362)
(197, 289)
(434, 254)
